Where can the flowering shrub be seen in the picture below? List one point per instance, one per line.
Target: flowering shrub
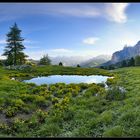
(38, 89)
(27, 97)
(3, 127)
(91, 91)
(59, 93)
(11, 111)
(41, 115)
(17, 103)
(55, 100)
(39, 100)
(19, 125)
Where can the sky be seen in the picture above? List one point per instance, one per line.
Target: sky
(71, 29)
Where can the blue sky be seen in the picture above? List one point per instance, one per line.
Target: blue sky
(72, 29)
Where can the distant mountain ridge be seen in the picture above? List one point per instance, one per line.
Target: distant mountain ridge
(126, 53)
(68, 60)
(96, 61)
(75, 60)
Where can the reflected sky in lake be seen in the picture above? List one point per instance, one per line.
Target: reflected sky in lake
(67, 79)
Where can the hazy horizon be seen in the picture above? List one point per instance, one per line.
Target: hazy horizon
(71, 29)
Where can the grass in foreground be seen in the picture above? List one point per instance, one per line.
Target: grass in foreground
(70, 110)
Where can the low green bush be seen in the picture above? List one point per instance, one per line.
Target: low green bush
(1, 101)
(106, 117)
(49, 130)
(68, 114)
(27, 97)
(129, 117)
(41, 101)
(55, 100)
(83, 131)
(41, 115)
(3, 128)
(19, 126)
(59, 93)
(115, 93)
(116, 131)
(33, 122)
(11, 111)
(83, 86)
(91, 91)
(17, 103)
(101, 84)
(38, 89)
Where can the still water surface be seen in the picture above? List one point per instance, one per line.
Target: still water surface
(67, 79)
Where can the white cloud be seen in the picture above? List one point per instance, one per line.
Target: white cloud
(116, 12)
(61, 50)
(2, 57)
(51, 52)
(27, 41)
(84, 54)
(31, 47)
(2, 41)
(30, 41)
(129, 42)
(77, 10)
(90, 40)
(36, 54)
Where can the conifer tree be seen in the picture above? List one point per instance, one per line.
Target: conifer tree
(60, 64)
(45, 60)
(137, 60)
(14, 47)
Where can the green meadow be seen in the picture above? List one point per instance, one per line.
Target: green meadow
(70, 110)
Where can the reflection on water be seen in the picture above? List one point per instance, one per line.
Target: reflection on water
(67, 79)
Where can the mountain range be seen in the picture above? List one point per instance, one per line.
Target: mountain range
(68, 60)
(102, 60)
(75, 60)
(96, 61)
(126, 53)
(82, 61)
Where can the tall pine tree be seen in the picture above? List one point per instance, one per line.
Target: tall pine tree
(14, 47)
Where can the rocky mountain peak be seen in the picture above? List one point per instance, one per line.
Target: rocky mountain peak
(126, 53)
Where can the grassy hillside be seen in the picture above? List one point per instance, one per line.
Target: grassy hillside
(55, 70)
(28, 110)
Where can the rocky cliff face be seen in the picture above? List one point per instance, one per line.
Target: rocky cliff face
(126, 53)
(137, 49)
